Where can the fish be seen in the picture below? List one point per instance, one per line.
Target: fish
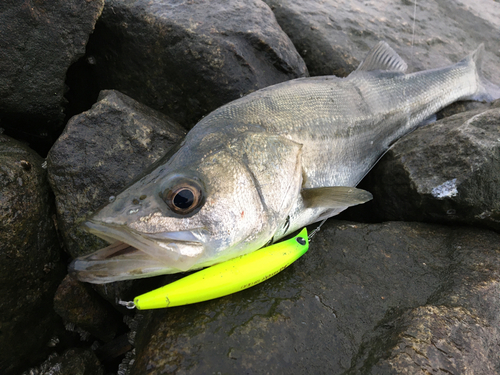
(270, 163)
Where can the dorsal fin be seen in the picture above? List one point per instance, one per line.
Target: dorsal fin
(383, 57)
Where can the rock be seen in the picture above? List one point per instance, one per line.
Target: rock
(456, 332)
(435, 339)
(86, 169)
(71, 362)
(359, 294)
(76, 303)
(334, 36)
(186, 59)
(446, 172)
(40, 40)
(30, 266)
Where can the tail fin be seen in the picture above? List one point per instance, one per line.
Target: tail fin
(487, 91)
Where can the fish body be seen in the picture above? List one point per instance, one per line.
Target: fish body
(270, 163)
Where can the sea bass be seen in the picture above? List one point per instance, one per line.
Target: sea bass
(268, 164)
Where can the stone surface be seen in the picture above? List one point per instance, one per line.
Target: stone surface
(98, 154)
(457, 331)
(349, 305)
(447, 172)
(78, 304)
(187, 58)
(30, 266)
(39, 40)
(101, 151)
(71, 362)
(334, 36)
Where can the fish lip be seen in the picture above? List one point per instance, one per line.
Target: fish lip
(118, 232)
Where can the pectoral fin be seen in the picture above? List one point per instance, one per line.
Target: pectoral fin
(335, 196)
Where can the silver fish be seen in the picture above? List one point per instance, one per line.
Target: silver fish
(270, 163)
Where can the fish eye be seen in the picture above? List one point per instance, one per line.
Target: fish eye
(184, 197)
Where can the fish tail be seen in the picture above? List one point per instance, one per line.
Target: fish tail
(486, 90)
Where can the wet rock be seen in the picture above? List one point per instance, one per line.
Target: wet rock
(78, 304)
(457, 331)
(186, 59)
(359, 292)
(71, 362)
(447, 172)
(40, 40)
(98, 154)
(462, 106)
(334, 36)
(30, 266)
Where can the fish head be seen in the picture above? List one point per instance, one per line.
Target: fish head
(197, 209)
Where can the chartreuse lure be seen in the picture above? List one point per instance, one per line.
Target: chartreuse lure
(227, 277)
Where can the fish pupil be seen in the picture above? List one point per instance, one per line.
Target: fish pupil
(183, 199)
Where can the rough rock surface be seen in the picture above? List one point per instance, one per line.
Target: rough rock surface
(447, 172)
(71, 362)
(364, 298)
(39, 40)
(188, 58)
(30, 267)
(98, 154)
(78, 304)
(334, 36)
(101, 151)
(457, 331)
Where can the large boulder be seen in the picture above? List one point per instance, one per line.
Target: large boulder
(39, 40)
(30, 266)
(186, 59)
(364, 299)
(446, 172)
(334, 36)
(99, 152)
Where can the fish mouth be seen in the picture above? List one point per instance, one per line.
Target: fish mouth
(133, 255)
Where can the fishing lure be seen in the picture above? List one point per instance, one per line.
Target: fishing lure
(225, 278)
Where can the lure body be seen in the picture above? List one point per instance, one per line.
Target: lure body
(227, 277)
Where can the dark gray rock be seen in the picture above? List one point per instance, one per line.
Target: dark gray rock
(101, 151)
(30, 266)
(98, 154)
(76, 303)
(334, 36)
(186, 59)
(457, 331)
(38, 42)
(446, 172)
(71, 362)
(355, 297)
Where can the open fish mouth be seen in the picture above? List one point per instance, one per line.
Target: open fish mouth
(133, 255)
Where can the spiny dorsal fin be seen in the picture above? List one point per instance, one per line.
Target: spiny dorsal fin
(383, 57)
(335, 196)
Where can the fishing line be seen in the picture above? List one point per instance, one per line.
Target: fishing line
(413, 32)
(313, 233)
